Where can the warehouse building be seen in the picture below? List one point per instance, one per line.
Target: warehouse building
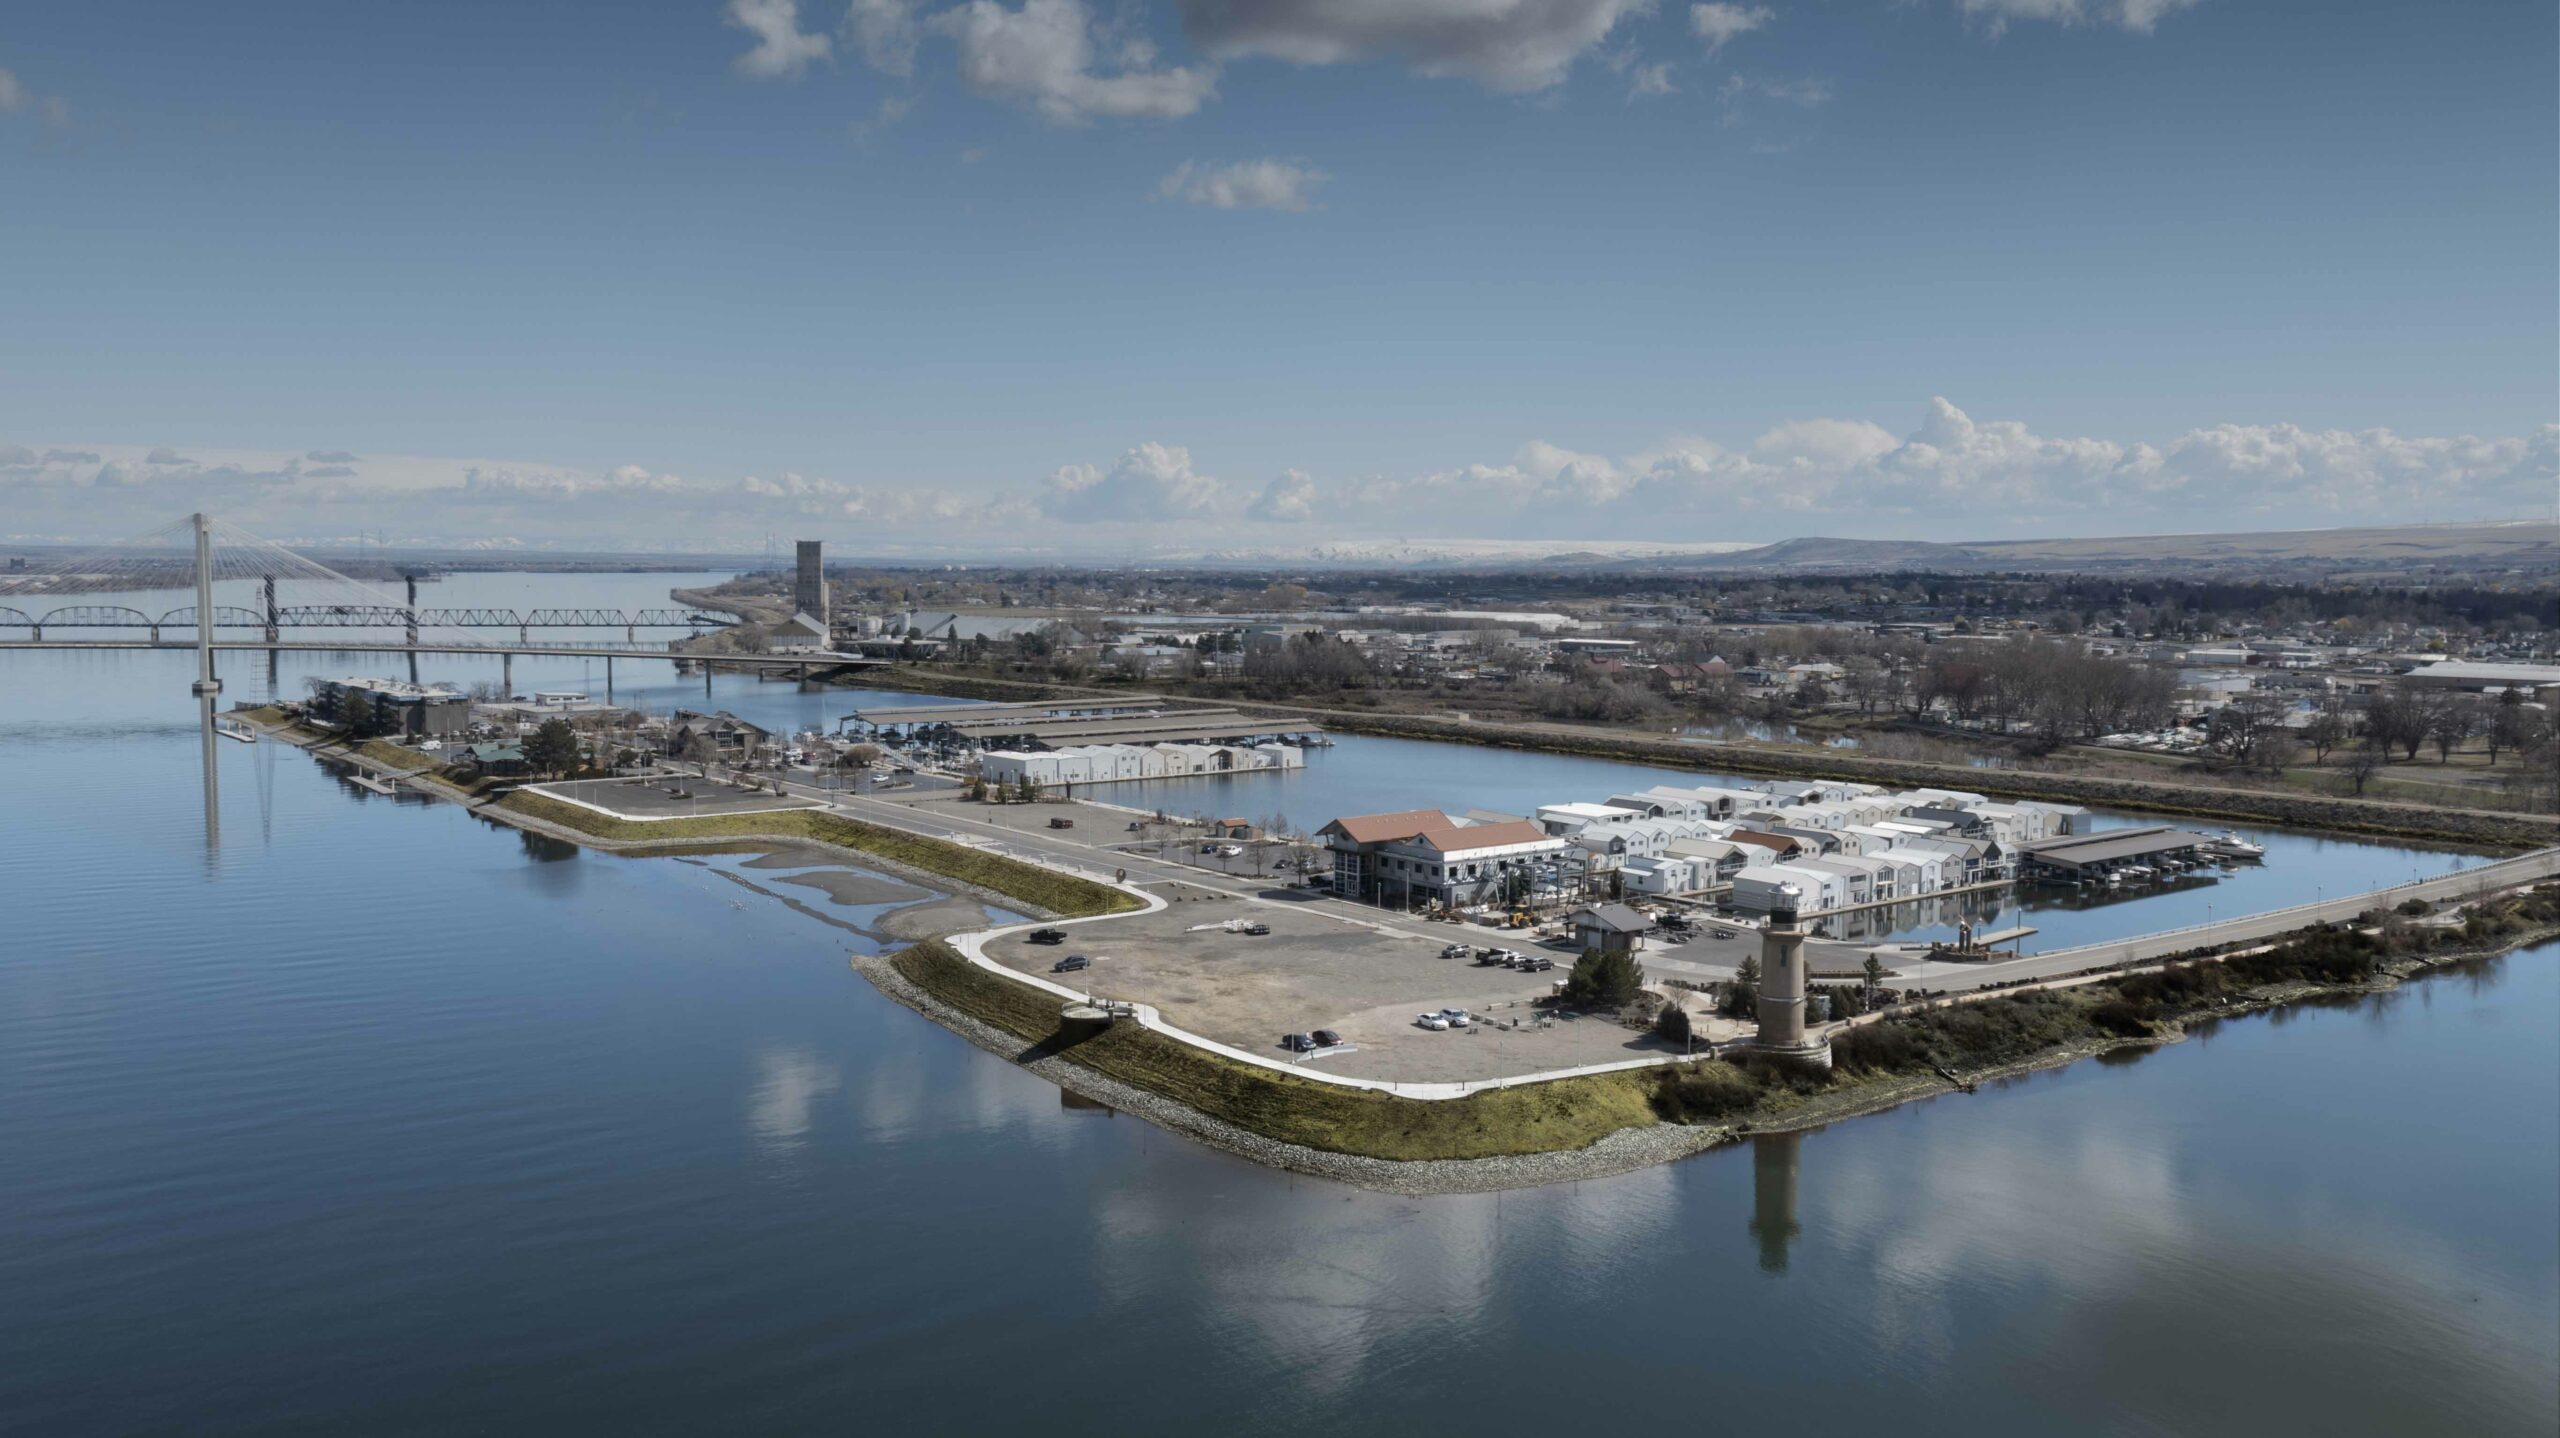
(1122, 763)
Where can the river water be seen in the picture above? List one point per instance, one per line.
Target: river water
(373, 1117)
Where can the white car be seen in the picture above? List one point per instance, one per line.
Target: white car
(1455, 1018)
(1430, 1021)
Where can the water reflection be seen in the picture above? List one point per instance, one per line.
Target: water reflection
(544, 849)
(789, 1084)
(1774, 1158)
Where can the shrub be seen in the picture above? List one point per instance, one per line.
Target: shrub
(1880, 1048)
(2328, 956)
(1671, 1025)
(1784, 1071)
(1696, 1093)
(2122, 1019)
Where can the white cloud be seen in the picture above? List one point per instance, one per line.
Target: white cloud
(1044, 55)
(1992, 473)
(1740, 94)
(1288, 499)
(1513, 46)
(1648, 80)
(1152, 483)
(1246, 185)
(13, 96)
(1948, 474)
(1717, 23)
(782, 48)
(893, 108)
(883, 32)
(56, 111)
(2138, 16)
(1830, 442)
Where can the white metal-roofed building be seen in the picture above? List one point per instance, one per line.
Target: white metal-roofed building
(1565, 819)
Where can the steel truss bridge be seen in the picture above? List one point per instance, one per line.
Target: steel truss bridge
(348, 616)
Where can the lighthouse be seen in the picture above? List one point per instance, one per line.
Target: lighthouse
(1782, 984)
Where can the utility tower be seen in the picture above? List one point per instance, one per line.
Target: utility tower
(207, 687)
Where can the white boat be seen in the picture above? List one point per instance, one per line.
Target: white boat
(230, 728)
(2228, 845)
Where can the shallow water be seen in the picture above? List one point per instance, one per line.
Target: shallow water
(378, 1118)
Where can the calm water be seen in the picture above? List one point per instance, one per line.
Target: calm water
(376, 1118)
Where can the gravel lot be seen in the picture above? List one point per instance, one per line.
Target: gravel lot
(1364, 978)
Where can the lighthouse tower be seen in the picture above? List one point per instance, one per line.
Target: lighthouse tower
(1782, 984)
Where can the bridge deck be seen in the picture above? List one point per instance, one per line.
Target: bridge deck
(358, 646)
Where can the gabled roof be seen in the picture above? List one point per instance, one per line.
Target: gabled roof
(1384, 828)
(1483, 836)
(1614, 918)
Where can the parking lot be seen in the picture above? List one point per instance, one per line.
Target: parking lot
(670, 797)
(1364, 978)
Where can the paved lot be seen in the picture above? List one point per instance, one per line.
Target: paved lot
(671, 797)
(1364, 979)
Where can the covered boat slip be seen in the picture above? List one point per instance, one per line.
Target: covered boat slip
(2089, 856)
(1132, 719)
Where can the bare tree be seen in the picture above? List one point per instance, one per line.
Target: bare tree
(2362, 764)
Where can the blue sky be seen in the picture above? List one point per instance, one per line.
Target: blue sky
(981, 276)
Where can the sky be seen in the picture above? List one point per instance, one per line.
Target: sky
(1112, 278)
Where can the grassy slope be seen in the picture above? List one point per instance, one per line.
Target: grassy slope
(395, 756)
(1532, 1118)
(1062, 894)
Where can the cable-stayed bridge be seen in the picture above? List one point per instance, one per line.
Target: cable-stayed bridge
(99, 601)
(95, 600)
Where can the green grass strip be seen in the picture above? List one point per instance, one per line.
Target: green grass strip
(1528, 1118)
(1062, 894)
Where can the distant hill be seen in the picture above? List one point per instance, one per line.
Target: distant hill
(2529, 549)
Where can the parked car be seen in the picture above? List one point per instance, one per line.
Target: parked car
(1540, 964)
(1256, 927)
(1229, 851)
(1455, 951)
(1070, 964)
(1458, 1018)
(1297, 1043)
(1430, 1021)
(1326, 1038)
(1208, 848)
(1045, 936)
(1062, 823)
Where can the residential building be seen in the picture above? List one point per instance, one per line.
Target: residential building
(1424, 856)
(398, 709)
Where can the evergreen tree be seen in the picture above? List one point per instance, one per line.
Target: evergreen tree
(1742, 996)
(1603, 980)
(553, 749)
